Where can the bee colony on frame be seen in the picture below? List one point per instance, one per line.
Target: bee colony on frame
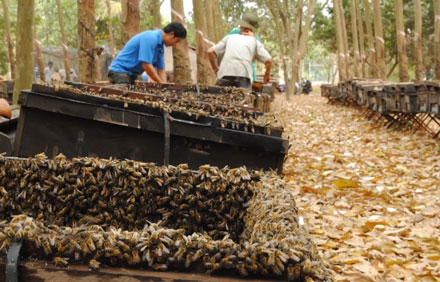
(134, 214)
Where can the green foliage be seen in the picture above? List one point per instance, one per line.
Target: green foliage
(322, 39)
(47, 24)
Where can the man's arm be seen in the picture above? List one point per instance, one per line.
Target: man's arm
(212, 60)
(268, 65)
(162, 74)
(151, 71)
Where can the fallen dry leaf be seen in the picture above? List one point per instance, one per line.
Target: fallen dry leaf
(369, 194)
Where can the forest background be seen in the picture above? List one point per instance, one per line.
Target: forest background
(390, 40)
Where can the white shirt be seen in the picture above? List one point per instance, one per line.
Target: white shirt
(48, 73)
(238, 53)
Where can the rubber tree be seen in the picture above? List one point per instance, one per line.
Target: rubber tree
(25, 22)
(181, 63)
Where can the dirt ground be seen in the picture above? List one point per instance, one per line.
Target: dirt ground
(370, 195)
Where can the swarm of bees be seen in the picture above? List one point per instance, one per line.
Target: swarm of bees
(230, 107)
(127, 213)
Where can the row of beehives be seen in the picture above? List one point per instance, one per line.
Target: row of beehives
(112, 212)
(383, 97)
(236, 107)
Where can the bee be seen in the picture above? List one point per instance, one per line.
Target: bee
(10, 232)
(84, 248)
(271, 258)
(159, 181)
(63, 212)
(52, 238)
(94, 264)
(40, 157)
(22, 195)
(135, 258)
(90, 244)
(3, 191)
(241, 267)
(280, 264)
(5, 244)
(198, 254)
(208, 246)
(188, 260)
(211, 266)
(59, 261)
(276, 270)
(293, 272)
(227, 262)
(36, 240)
(160, 267)
(307, 267)
(108, 248)
(102, 204)
(46, 247)
(124, 247)
(131, 208)
(178, 256)
(283, 256)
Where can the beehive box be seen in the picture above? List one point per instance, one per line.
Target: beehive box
(163, 127)
(122, 213)
(422, 98)
(373, 99)
(6, 89)
(433, 97)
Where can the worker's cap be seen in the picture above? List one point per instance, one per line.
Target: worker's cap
(248, 20)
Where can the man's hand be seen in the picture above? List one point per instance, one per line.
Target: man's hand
(266, 78)
(268, 64)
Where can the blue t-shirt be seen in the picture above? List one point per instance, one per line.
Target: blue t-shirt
(145, 47)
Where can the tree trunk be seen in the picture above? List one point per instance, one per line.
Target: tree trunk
(401, 41)
(86, 37)
(210, 28)
(9, 39)
(344, 40)
(296, 36)
(204, 71)
(110, 30)
(182, 68)
(25, 22)
(219, 23)
(339, 41)
(360, 25)
(305, 32)
(40, 63)
(64, 41)
(354, 30)
(420, 69)
(155, 12)
(372, 67)
(380, 42)
(292, 39)
(274, 8)
(437, 40)
(130, 19)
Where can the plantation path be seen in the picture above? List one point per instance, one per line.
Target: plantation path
(370, 196)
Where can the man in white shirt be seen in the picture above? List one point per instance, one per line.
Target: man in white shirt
(239, 50)
(48, 71)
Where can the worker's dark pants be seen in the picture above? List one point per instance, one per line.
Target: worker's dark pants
(121, 78)
(237, 81)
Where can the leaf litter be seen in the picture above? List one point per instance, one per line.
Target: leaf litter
(369, 195)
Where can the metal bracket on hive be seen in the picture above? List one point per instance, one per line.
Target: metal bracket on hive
(12, 261)
(167, 134)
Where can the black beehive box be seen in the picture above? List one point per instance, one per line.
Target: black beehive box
(55, 119)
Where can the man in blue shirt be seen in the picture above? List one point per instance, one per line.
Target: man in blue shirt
(145, 52)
